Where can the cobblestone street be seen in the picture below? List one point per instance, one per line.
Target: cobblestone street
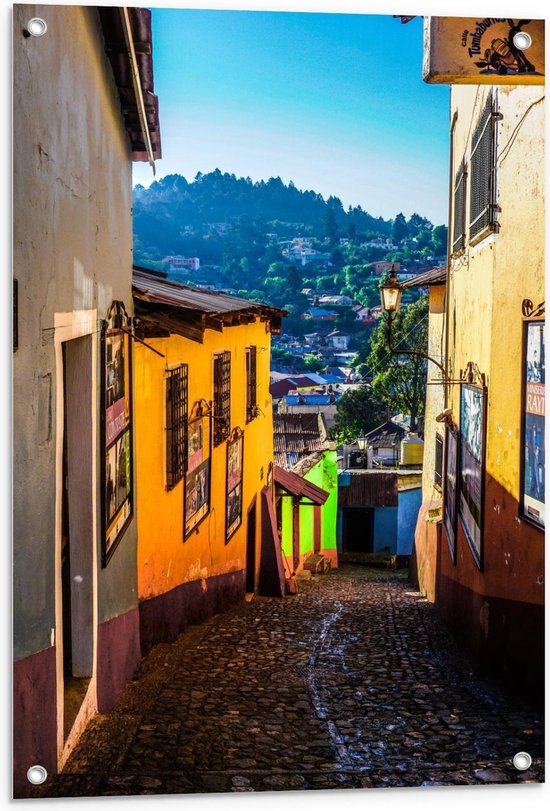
(351, 683)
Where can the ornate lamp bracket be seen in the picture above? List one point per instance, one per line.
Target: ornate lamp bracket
(530, 311)
(472, 375)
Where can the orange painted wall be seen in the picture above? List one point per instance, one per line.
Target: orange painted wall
(164, 559)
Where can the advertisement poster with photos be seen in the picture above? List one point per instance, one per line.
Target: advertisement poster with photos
(197, 478)
(472, 426)
(533, 490)
(451, 461)
(117, 506)
(234, 486)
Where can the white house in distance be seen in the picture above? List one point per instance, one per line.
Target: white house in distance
(338, 340)
(181, 263)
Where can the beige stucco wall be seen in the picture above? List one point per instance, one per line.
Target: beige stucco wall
(72, 255)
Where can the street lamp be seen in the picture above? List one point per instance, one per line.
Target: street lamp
(362, 445)
(390, 296)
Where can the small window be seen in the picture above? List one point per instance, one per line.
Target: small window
(459, 202)
(222, 396)
(483, 208)
(251, 405)
(176, 424)
(438, 471)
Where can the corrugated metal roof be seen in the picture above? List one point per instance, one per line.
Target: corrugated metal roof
(296, 436)
(367, 488)
(163, 306)
(299, 487)
(433, 276)
(386, 434)
(155, 289)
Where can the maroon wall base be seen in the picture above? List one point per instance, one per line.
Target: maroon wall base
(503, 638)
(163, 618)
(34, 717)
(118, 657)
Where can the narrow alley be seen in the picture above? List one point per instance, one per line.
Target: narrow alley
(351, 683)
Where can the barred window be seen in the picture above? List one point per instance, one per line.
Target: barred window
(222, 396)
(438, 471)
(250, 383)
(459, 219)
(482, 172)
(176, 424)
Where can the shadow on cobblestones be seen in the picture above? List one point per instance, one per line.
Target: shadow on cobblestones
(351, 683)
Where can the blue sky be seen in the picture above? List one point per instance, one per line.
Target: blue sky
(334, 102)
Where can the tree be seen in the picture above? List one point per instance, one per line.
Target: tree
(400, 380)
(357, 412)
(439, 240)
(330, 225)
(400, 229)
(295, 281)
(315, 363)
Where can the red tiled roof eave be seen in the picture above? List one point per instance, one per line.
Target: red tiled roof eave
(299, 487)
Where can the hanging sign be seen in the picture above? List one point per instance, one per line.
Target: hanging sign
(483, 50)
(117, 506)
(234, 485)
(197, 478)
(533, 469)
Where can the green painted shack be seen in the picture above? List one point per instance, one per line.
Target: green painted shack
(306, 479)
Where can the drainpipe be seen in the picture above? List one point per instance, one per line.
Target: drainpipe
(125, 17)
(449, 243)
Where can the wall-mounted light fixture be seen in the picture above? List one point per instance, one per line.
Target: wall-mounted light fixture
(36, 27)
(390, 296)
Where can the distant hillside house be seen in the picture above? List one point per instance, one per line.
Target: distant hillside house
(384, 267)
(338, 340)
(320, 314)
(364, 315)
(311, 403)
(181, 263)
(336, 301)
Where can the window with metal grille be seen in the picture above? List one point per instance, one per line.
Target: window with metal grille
(459, 219)
(483, 207)
(250, 383)
(176, 424)
(438, 471)
(222, 396)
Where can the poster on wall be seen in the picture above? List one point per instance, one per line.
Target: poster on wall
(533, 491)
(449, 499)
(197, 478)
(472, 426)
(117, 437)
(234, 486)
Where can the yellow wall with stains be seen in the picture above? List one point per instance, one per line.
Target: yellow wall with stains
(164, 560)
(490, 280)
(487, 284)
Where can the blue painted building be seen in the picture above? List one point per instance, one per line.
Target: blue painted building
(377, 511)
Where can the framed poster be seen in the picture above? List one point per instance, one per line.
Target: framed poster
(197, 476)
(234, 486)
(472, 443)
(532, 496)
(117, 503)
(449, 493)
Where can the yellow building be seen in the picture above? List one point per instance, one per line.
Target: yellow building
(486, 573)
(204, 454)
(428, 527)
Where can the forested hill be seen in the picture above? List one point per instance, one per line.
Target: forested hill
(168, 211)
(269, 241)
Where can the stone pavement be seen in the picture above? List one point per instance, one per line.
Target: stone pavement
(351, 683)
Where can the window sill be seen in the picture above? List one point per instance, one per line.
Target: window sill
(490, 230)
